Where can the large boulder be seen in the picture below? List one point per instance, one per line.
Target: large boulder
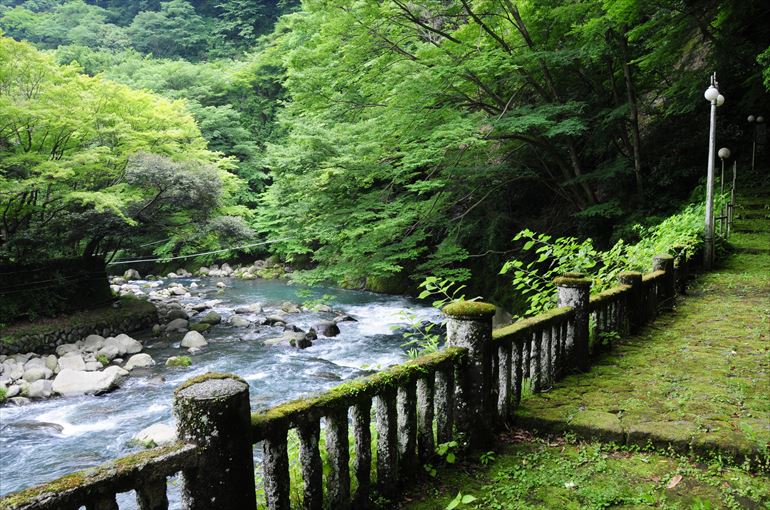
(128, 345)
(177, 313)
(131, 274)
(156, 435)
(72, 361)
(40, 389)
(193, 339)
(36, 373)
(289, 307)
(177, 325)
(110, 351)
(66, 348)
(139, 361)
(239, 322)
(327, 328)
(253, 308)
(79, 382)
(93, 343)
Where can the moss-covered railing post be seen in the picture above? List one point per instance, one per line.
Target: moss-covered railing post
(667, 287)
(469, 325)
(574, 289)
(681, 268)
(212, 412)
(635, 300)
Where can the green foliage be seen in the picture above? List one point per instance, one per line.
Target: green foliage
(76, 169)
(549, 257)
(3, 394)
(460, 499)
(104, 360)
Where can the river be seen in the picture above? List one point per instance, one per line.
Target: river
(47, 439)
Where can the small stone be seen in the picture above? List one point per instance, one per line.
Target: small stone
(221, 285)
(93, 343)
(156, 330)
(344, 318)
(177, 325)
(239, 322)
(289, 307)
(254, 308)
(177, 313)
(12, 390)
(109, 351)
(72, 361)
(37, 373)
(128, 345)
(200, 328)
(65, 348)
(51, 362)
(327, 328)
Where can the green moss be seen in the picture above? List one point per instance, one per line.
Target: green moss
(104, 360)
(569, 280)
(206, 377)
(3, 394)
(200, 327)
(520, 329)
(470, 310)
(179, 361)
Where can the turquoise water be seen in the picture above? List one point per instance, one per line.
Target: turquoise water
(51, 438)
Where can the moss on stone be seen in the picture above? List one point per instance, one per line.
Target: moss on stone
(470, 310)
(206, 377)
(520, 329)
(567, 280)
(347, 394)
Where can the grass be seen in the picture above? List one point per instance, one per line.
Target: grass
(561, 472)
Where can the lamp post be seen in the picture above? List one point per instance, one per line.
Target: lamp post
(724, 153)
(713, 96)
(755, 122)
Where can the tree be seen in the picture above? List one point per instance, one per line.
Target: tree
(74, 173)
(175, 30)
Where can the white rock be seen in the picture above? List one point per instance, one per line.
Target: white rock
(93, 366)
(12, 391)
(34, 362)
(65, 348)
(139, 361)
(128, 345)
(172, 275)
(71, 361)
(179, 291)
(113, 343)
(109, 351)
(239, 322)
(132, 274)
(93, 343)
(51, 362)
(221, 285)
(193, 285)
(80, 382)
(193, 339)
(13, 369)
(40, 389)
(159, 434)
(37, 373)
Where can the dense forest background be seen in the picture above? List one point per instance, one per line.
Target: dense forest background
(371, 142)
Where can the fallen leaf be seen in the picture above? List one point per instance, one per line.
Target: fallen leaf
(674, 481)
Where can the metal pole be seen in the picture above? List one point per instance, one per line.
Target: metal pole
(731, 209)
(708, 250)
(753, 148)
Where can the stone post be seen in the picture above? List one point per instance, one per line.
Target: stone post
(212, 412)
(682, 268)
(574, 290)
(469, 325)
(634, 309)
(668, 282)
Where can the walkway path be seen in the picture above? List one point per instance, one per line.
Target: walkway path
(699, 376)
(697, 379)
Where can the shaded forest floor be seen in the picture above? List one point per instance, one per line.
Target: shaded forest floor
(696, 381)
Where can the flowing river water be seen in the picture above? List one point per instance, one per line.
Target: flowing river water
(48, 439)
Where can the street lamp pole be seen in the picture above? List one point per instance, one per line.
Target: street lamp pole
(755, 122)
(713, 96)
(724, 153)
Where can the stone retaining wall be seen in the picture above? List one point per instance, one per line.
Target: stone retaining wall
(131, 315)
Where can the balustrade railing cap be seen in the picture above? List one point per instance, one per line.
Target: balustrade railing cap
(206, 377)
(572, 280)
(470, 310)
(629, 275)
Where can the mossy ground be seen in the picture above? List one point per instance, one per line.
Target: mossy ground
(696, 377)
(562, 473)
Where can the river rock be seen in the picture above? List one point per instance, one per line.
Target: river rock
(178, 291)
(93, 343)
(111, 351)
(156, 435)
(324, 309)
(93, 366)
(19, 401)
(221, 285)
(66, 348)
(71, 361)
(254, 308)
(177, 313)
(289, 307)
(139, 361)
(193, 339)
(239, 322)
(274, 320)
(177, 325)
(51, 362)
(344, 318)
(128, 345)
(36, 373)
(12, 390)
(200, 327)
(211, 318)
(13, 369)
(172, 275)
(199, 307)
(327, 328)
(79, 382)
(34, 362)
(131, 274)
(40, 389)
